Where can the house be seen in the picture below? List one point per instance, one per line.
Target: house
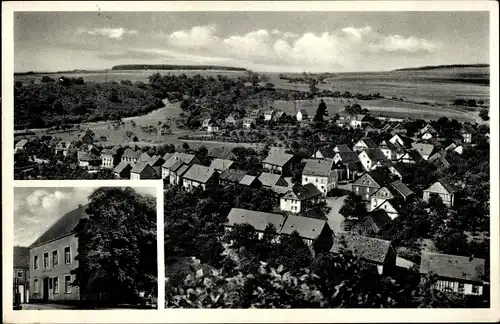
(321, 174)
(21, 272)
(21, 146)
(269, 180)
(173, 167)
(324, 153)
(372, 159)
(364, 143)
(142, 170)
(87, 139)
(467, 132)
(358, 121)
(206, 122)
(348, 161)
(458, 274)
(400, 170)
(199, 176)
(52, 258)
(427, 132)
(409, 157)
(268, 115)
(221, 165)
(369, 183)
(279, 115)
(379, 253)
(222, 152)
(342, 148)
(240, 177)
(439, 160)
(370, 129)
(390, 150)
(144, 158)
(213, 127)
(258, 220)
(110, 158)
(248, 123)
(371, 224)
(122, 170)
(398, 129)
(427, 135)
(301, 115)
(444, 189)
(91, 161)
(65, 148)
(425, 150)
(401, 140)
(393, 191)
(232, 120)
(459, 149)
(278, 162)
(131, 156)
(156, 162)
(300, 198)
(84, 149)
(256, 114)
(309, 229)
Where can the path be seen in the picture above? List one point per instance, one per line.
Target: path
(335, 219)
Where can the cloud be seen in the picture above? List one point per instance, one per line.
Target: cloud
(113, 33)
(346, 47)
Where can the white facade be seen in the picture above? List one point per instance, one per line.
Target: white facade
(135, 176)
(457, 287)
(366, 161)
(107, 161)
(427, 135)
(190, 184)
(324, 184)
(290, 205)
(212, 128)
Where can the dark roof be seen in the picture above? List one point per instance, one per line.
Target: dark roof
(309, 228)
(343, 148)
(380, 218)
(199, 173)
(139, 167)
(327, 152)
(303, 112)
(369, 142)
(448, 185)
(62, 145)
(347, 157)
(232, 175)
(21, 257)
(401, 188)
(305, 192)
(222, 153)
(320, 168)
(278, 158)
(130, 153)
(402, 169)
(63, 227)
(374, 154)
(121, 166)
(453, 266)
(367, 248)
(377, 176)
(156, 160)
(259, 220)
(467, 129)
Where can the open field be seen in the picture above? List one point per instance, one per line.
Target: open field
(385, 107)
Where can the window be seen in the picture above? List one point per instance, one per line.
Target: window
(322, 187)
(19, 273)
(316, 180)
(475, 289)
(46, 260)
(35, 286)
(55, 258)
(67, 284)
(35, 262)
(460, 288)
(67, 255)
(306, 178)
(55, 285)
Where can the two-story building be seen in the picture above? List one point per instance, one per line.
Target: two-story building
(444, 189)
(90, 161)
(143, 170)
(358, 121)
(369, 182)
(300, 198)
(363, 144)
(172, 166)
(278, 162)
(110, 158)
(52, 258)
(467, 132)
(457, 274)
(372, 159)
(131, 156)
(232, 120)
(268, 115)
(321, 174)
(21, 272)
(65, 148)
(221, 165)
(390, 198)
(199, 176)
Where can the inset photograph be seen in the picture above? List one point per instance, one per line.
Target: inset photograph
(85, 248)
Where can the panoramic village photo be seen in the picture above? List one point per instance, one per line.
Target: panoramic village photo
(85, 248)
(308, 159)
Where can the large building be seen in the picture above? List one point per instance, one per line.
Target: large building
(52, 257)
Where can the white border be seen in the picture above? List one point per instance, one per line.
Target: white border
(238, 316)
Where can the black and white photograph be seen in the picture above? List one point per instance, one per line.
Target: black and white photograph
(307, 156)
(85, 248)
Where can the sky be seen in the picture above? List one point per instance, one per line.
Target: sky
(36, 209)
(260, 41)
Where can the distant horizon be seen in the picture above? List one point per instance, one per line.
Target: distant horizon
(201, 65)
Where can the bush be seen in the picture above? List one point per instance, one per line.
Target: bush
(484, 114)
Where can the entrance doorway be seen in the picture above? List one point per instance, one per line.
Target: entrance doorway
(45, 296)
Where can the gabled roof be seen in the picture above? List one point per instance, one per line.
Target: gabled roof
(221, 164)
(109, 152)
(222, 153)
(327, 152)
(247, 180)
(139, 167)
(167, 156)
(299, 192)
(156, 160)
(342, 148)
(308, 228)
(367, 248)
(369, 143)
(63, 145)
(359, 117)
(378, 177)
(90, 156)
(347, 157)
(271, 179)
(130, 153)
(319, 168)
(122, 166)
(453, 266)
(423, 149)
(400, 188)
(278, 158)
(62, 227)
(144, 157)
(259, 220)
(438, 157)
(374, 154)
(21, 257)
(178, 158)
(232, 175)
(427, 128)
(199, 173)
(446, 185)
(21, 143)
(467, 129)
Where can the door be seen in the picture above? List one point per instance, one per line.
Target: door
(21, 293)
(45, 295)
